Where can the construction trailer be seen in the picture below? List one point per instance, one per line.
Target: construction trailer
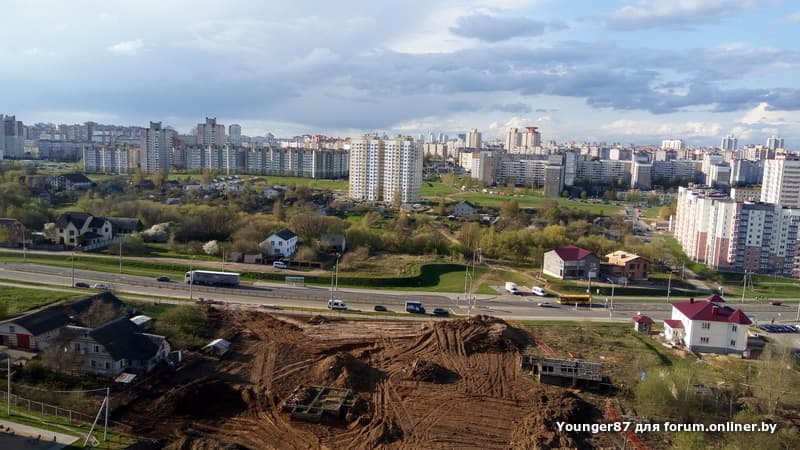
(566, 372)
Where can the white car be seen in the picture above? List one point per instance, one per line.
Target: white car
(102, 286)
(280, 265)
(546, 305)
(536, 290)
(336, 304)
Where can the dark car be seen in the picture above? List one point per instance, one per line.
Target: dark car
(776, 303)
(380, 308)
(163, 278)
(81, 284)
(440, 312)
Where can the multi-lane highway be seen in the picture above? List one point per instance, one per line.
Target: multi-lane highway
(281, 295)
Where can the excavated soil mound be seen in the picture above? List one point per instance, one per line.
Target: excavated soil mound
(318, 320)
(390, 432)
(188, 443)
(344, 369)
(550, 405)
(431, 372)
(484, 334)
(202, 399)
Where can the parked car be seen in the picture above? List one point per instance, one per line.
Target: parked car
(546, 305)
(81, 284)
(440, 312)
(776, 303)
(163, 278)
(380, 308)
(280, 265)
(102, 286)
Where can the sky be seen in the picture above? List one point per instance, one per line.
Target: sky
(628, 71)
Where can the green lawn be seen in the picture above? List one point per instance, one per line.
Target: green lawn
(19, 300)
(114, 439)
(531, 201)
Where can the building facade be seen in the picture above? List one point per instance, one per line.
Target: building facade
(387, 170)
(781, 184)
(156, 149)
(211, 133)
(112, 159)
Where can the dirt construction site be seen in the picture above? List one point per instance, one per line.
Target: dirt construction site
(290, 382)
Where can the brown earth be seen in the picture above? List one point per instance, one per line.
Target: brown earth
(443, 384)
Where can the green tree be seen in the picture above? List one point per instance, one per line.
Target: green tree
(565, 193)
(634, 196)
(584, 194)
(277, 210)
(158, 178)
(470, 237)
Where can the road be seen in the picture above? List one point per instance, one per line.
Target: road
(281, 295)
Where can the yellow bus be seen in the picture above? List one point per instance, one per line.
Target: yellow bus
(575, 299)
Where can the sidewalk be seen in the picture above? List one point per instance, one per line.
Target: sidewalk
(18, 436)
(410, 294)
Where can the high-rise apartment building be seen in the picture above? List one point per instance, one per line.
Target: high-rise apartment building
(728, 143)
(386, 170)
(774, 142)
(12, 140)
(235, 134)
(781, 184)
(512, 139)
(531, 138)
(210, 133)
(113, 159)
(156, 149)
(673, 144)
(473, 138)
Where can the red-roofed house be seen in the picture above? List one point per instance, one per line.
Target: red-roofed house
(708, 326)
(571, 262)
(642, 323)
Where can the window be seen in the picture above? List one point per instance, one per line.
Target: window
(734, 328)
(704, 340)
(108, 365)
(93, 363)
(11, 328)
(97, 349)
(77, 347)
(706, 325)
(733, 342)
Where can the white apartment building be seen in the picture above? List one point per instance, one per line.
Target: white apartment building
(473, 138)
(673, 144)
(156, 149)
(382, 169)
(106, 159)
(728, 143)
(781, 184)
(774, 142)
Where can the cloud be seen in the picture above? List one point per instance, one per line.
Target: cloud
(127, 47)
(646, 14)
(764, 115)
(794, 17)
(516, 108)
(655, 129)
(31, 51)
(496, 28)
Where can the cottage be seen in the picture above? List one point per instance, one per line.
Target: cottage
(332, 243)
(571, 262)
(83, 229)
(14, 231)
(282, 243)
(464, 208)
(70, 182)
(114, 347)
(708, 326)
(627, 265)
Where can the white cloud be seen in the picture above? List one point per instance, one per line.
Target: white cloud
(794, 17)
(31, 51)
(317, 57)
(625, 127)
(127, 47)
(762, 115)
(660, 14)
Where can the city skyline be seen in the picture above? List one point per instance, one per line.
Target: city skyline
(629, 71)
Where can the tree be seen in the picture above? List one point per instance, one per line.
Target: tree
(565, 193)
(442, 208)
(5, 236)
(610, 195)
(584, 194)
(448, 179)
(470, 237)
(137, 177)
(158, 178)
(211, 248)
(207, 176)
(277, 210)
(634, 196)
(184, 326)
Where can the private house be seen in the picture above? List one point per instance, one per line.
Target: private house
(36, 330)
(626, 265)
(14, 231)
(282, 244)
(79, 229)
(70, 182)
(332, 243)
(114, 347)
(464, 208)
(571, 262)
(707, 326)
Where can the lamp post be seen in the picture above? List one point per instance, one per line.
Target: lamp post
(613, 285)
(191, 278)
(669, 285)
(73, 268)
(24, 247)
(121, 238)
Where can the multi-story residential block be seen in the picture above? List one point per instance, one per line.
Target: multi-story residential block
(385, 169)
(156, 149)
(12, 139)
(673, 144)
(774, 143)
(728, 143)
(211, 133)
(235, 134)
(642, 175)
(299, 162)
(745, 172)
(222, 158)
(107, 159)
(473, 138)
(781, 184)
(604, 171)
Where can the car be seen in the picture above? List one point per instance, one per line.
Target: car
(336, 304)
(280, 265)
(546, 305)
(775, 303)
(380, 308)
(163, 278)
(440, 312)
(81, 284)
(102, 286)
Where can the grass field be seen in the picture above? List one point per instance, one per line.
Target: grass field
(114, 439)
(18, 299)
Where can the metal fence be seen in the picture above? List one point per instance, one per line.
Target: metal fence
(57, 411)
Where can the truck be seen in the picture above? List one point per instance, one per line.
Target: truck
(512, 288)
(414, 307)
(212, 278)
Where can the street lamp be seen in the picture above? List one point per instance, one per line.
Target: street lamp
(73, 268)
(191, 278)
(613, 285)
(121, 238)
(669, 285)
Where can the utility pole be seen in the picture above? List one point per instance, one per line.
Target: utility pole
(8, 383)
(669, 285)
(108, 404)
(744, 284)
(121, 238)
(24, 247)
(73, 268)
(191, 278)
